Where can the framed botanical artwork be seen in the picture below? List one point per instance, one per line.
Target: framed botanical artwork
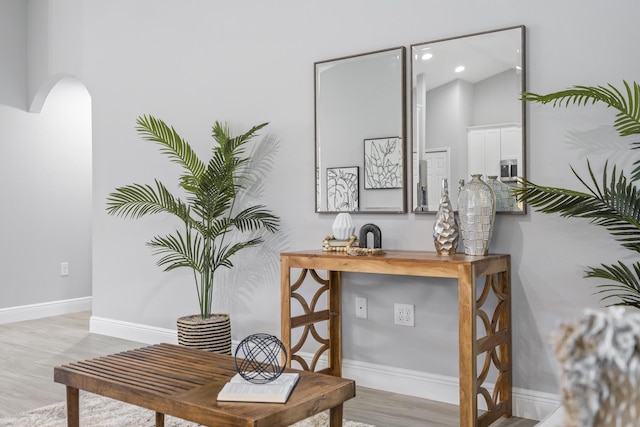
(342, 189)
(383, 163)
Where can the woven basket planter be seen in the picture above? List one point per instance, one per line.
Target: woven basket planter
(212, 334)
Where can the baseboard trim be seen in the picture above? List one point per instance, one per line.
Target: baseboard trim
(529, 404)
(403, 381)
(534, 405)
(132, 331)
(45, 309)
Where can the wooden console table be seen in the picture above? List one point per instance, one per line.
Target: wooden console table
(496, 343)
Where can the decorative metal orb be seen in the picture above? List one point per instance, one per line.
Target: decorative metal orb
(257, 358)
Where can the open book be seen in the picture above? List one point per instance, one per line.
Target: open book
(240, 390)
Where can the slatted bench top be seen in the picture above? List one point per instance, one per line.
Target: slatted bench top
(184, 383)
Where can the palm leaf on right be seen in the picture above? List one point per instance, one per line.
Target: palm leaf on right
(626, 102)
(613, 203)
(623, 285)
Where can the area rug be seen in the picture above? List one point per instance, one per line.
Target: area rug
(98, 411)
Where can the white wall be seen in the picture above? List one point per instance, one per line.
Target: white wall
(13, 45)
(45, 187)
(192, 62)
(54, 45)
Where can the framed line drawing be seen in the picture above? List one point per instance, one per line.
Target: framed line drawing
(342, 189)
(383, 163)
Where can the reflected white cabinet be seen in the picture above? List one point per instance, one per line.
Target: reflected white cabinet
(494, 150)
(510, 153)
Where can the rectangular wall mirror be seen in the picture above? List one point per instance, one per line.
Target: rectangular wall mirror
(360, 141)
(467, 115)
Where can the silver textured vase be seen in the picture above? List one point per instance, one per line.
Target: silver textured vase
(505, 200)
(445, 228)
(477, 211)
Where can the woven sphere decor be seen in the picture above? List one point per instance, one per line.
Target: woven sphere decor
(257, 358)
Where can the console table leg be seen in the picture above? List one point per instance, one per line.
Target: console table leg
(159, 419)
(285, 307)
(506, 349)
(335, 416)
(335, 323)
(73, 407)
(467, 347)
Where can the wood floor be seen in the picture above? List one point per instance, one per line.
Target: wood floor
(29, 350)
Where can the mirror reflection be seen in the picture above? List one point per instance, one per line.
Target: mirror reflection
(359, 135)
(467, 116)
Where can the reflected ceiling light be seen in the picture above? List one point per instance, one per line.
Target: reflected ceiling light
(459, 69)
(427, 56)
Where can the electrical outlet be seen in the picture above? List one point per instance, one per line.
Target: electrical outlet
(361, 307)
(403, 314)
(64, 268)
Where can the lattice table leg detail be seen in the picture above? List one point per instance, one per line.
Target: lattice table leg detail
(310, 317)
(495, 343)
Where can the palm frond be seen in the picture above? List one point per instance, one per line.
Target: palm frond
(550, 199)
(217, 187)
(210, 212)
(224, 254)
(137, 200)
(228, 144)
(172, 144)
(625, 286)
(178, 251)
(255, 218)
(627, 120)
(626, 102)
(614, 204)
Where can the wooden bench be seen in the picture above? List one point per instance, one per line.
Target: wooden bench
(185, 382)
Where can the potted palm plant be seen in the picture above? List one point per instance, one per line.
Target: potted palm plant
(208, 213)
(611, 201)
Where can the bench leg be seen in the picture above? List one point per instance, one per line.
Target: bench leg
(159, 419)
(335, 416)
(73, 407)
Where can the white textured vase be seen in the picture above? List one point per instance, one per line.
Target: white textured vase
(477, 211)
(343, 227)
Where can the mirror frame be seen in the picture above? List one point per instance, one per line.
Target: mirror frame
(402, 208)
(522, 80)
